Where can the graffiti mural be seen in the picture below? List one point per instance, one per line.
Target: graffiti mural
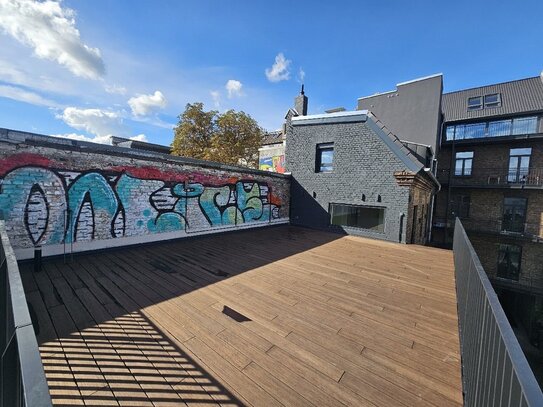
(274, 163)
(42, 205)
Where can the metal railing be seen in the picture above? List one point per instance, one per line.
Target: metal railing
(22, 378)
(494, 177)
(494, 368)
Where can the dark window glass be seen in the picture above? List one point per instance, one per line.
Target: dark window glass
(475, 103)
(499, 128)
(514, 214)
(325, 157)
(475, 130)
(363, 217)
(509, 257)
(450, 133)
(519, 164)
(460, 206)
(463, 163)
(495, 128)
(493, 100)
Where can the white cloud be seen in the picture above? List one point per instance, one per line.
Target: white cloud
(279, 70)
(216, 96)
(95, 121)
(50, 30)
(139, 137)
(115, 89)
(80, 137)
(21, 95)
(142, 105)
(233, 88)
(301, 75)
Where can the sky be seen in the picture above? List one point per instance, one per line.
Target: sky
(88, 70)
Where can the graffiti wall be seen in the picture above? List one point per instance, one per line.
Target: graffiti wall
(64, 197)
(274, 163)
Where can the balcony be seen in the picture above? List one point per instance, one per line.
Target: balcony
(509, 228)
(494, 178)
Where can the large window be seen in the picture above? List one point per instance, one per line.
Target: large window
(463, 163)
(519, 164)
(494, 128)
(509, 256)
(460, 206)
(514, 214)
(364, 217)
(325, 157)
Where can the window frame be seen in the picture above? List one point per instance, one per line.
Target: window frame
(381, 229)
(492, 105)
(478, 106)
(508, 275)
(457, 131)
(463, 159)
(458, 202)
(319, 150)
(525, 214)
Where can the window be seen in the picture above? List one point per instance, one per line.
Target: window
(463, 164)
(475, 103)
(509, 256)
(495, 128)
(519, 164)
(325, 157)
(493, 100)
(364, 217)
(460, 206)
(514, 214)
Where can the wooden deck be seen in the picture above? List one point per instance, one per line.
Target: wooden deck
(266, 317)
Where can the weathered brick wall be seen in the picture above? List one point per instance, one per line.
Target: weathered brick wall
(56, 192)
(363, 172)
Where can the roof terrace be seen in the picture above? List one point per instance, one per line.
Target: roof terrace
(273, 316)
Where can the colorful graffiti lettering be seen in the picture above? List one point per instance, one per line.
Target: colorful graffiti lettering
(50, 206)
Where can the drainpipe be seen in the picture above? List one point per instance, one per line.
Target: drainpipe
(432, 176)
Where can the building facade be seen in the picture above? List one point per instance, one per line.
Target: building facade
(490, 165)
(271, 154)
(350, 174)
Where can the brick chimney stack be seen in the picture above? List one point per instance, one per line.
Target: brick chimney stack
(300, 103)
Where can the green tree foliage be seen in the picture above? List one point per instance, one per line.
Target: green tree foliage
(231, 137)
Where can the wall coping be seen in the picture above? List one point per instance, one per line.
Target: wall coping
(16, 136)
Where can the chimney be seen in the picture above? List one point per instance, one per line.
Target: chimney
(300, 103)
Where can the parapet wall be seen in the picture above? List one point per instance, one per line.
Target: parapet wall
(67, 195)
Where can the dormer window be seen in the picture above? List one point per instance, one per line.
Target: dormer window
(493, 100)
(475, 103)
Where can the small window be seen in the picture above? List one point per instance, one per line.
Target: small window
(325, 158)
(514, 214)
(463, 164)
(363, 217)
(509, 256)
(493, 100)
(475, 103)
(460, 206)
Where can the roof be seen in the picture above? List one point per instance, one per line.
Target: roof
(139, 145)
(519, 96)
(273, 137)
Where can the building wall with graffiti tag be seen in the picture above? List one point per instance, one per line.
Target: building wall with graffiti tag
(57, 193)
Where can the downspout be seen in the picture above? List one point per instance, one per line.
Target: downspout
(433, 177)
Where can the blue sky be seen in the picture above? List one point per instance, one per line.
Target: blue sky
(91, 69)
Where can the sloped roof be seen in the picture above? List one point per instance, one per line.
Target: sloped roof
(520, 96)
(273, 137)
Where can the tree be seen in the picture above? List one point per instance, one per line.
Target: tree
(193, 133)
(231, 137)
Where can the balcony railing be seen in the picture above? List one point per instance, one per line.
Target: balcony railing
(494, 368)
(494, 177)
(504, 227)
(22, 378)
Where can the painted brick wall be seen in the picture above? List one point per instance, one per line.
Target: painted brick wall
(57, 192)
(363, 167)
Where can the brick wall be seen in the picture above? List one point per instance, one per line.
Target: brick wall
(363, 174)
(58, 192)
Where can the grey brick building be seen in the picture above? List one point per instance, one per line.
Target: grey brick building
(350, 174)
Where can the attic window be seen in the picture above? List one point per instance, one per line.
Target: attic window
(475, 103)
(493, 100)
